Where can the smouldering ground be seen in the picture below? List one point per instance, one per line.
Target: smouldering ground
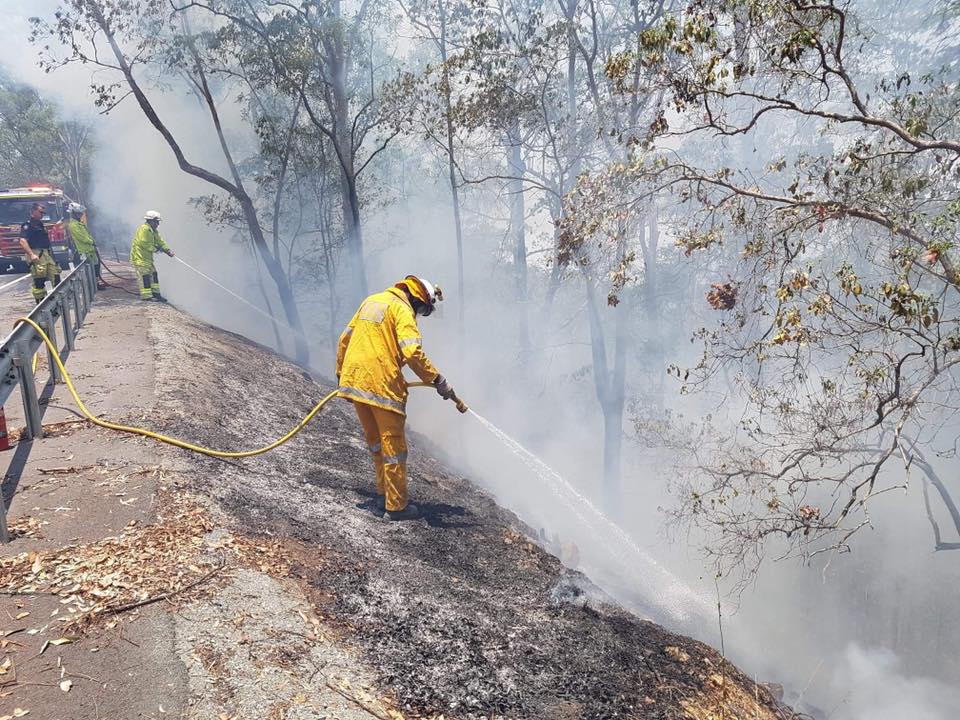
(458, 613)
(275, 592)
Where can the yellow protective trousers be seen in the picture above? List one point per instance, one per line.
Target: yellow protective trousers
(147, 280)
(384, 432)
(43, 270)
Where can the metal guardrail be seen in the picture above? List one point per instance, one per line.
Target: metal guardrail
(66, 306)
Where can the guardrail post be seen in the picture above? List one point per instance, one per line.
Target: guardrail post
(80, 289)
(67, 323)
(81, 285)
(77, 317)
(88, 290)
(28, 390)
(50, 328)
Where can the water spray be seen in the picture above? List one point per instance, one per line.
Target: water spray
(576, 502)
(240, 298)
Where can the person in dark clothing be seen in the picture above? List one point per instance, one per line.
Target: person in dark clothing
(36, 243)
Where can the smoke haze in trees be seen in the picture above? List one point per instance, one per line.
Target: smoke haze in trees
(852, 636)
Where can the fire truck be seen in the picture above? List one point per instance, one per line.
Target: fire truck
(15, 204)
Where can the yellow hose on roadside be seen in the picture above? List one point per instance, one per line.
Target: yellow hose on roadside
(164, 438)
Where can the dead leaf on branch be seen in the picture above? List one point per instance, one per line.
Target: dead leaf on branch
(722, 296)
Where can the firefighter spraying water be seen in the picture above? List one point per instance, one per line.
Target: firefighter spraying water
(381, 338)
(146, 242)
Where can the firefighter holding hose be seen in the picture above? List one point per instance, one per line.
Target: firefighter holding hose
(146, 242)
(381, 338)
(82, 239)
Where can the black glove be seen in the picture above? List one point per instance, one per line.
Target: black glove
(443, 387)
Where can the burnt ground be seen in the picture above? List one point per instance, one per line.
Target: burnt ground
(458, 613)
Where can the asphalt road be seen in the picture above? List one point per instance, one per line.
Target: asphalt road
(11, 281)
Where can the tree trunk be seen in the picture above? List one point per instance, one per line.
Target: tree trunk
(353, 235)
(609, 385)
(518, 229)
(266, 300)
(567, 177)
(452, 167)
(612, 455)
(287, 300)
(613, 412)
(651, 303)
(346, 153)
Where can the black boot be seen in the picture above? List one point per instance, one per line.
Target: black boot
(375, 505)
(410, 512)
(158, 297)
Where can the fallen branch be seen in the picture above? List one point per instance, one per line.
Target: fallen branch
(65, 470)
(116, 610)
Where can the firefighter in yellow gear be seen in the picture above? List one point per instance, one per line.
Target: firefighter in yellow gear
(146, 242)
(83, 240)
(35, 242)
(381, 338)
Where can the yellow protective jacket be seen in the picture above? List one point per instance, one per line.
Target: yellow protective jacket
(381, 338)
(82, 239)
(146, 242)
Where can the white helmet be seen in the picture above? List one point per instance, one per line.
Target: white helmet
(424, 291)
(151, 215)
(76, 208)
(432, 291)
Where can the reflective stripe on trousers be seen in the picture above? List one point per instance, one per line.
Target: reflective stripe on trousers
(147, 280)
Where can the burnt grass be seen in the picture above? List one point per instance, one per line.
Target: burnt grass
(459, 612)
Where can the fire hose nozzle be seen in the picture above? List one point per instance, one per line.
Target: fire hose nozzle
(461, 405)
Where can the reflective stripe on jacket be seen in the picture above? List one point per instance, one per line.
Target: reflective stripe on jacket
(146, 242)
(381, 338)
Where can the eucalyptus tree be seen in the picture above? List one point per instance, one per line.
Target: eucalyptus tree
(605, 253)
(538, 82)
(126, 39)
(37, 143)
(840, 317)
(330, 55)
(446, 25)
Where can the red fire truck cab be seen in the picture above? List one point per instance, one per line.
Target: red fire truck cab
(15, 204)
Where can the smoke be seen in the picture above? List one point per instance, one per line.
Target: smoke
(874, 684)
(808, 627)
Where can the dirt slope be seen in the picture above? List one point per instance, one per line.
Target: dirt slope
(458, 613)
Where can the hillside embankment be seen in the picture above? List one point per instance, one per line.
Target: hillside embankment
(148, 582)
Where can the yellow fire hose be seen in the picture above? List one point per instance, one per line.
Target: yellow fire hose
(183, 443)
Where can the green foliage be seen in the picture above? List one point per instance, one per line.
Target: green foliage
(36, 143)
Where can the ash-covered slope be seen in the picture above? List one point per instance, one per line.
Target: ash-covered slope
(459, 612)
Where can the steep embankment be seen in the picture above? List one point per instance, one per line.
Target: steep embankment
(457, 613)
